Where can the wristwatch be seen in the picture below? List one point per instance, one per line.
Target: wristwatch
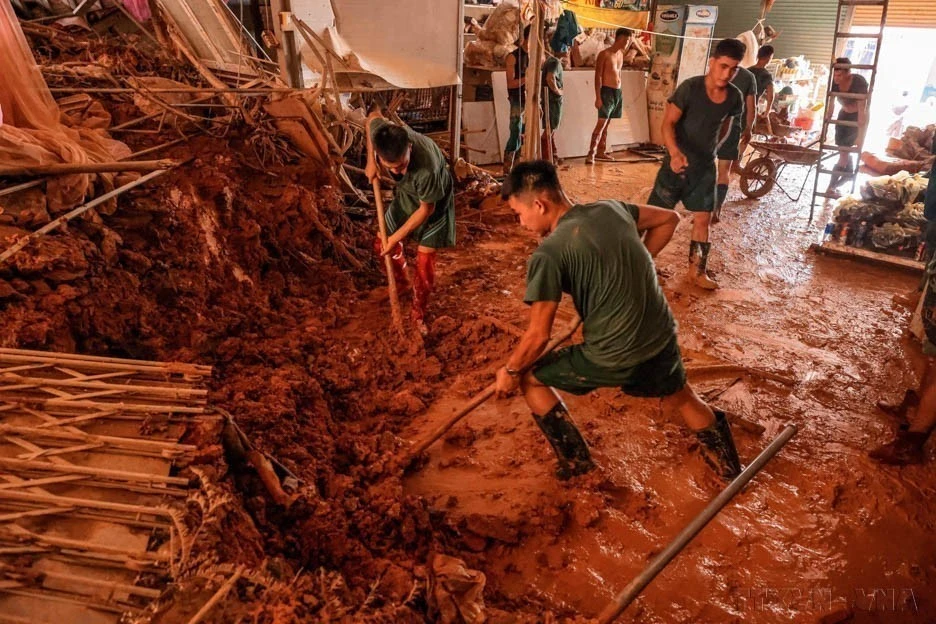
(512, 372)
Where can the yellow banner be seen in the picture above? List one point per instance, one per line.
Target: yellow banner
(590, 16)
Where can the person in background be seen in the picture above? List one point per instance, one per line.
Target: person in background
(696, 120)
(735, 144)
(608, 97)
(517, 63)
(764, 80)
(552, 79)
(853, 110)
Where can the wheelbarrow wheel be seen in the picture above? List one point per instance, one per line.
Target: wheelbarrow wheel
(758, 178)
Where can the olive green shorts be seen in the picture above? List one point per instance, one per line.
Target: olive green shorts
(612, 103)
(570, 371)
(694, 187)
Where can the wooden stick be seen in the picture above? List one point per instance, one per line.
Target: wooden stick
(12, 573)
(130, 443)
(218, 597)
(55, 357)
(20, 187)
(388, 263)
(480, 398)
(65, 218)
(72, 168)
(118, 475)
(157, 391)
(83, 503)
(19, 534)
(737, 368)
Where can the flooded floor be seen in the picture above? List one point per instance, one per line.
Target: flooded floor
(822, 531)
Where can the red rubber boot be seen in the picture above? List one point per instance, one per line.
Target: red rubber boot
(422, 287)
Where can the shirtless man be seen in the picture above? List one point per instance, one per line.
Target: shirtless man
(608, 98)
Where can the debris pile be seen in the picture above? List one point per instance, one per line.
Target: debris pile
(248, 250)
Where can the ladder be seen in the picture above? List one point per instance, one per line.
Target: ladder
(828, 151)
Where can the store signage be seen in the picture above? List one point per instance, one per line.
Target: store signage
(669, 16)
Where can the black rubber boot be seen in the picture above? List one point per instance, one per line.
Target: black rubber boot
(721, 194)
(571, 450)
(907, 448)
(718, 448)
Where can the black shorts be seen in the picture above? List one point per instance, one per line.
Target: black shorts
(846, 136)
(730, 147)
(694, 187)
(570, 371)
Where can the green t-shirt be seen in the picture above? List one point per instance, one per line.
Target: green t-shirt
(747, 85)
(595, 254)
(427, 178)
(763, 78)
(553, 66)
(698, 130)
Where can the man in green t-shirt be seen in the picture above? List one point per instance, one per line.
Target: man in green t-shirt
(423, 206)
(697, 118)
(552, 79)
(764, 80)
(595, 253)
(734, 145)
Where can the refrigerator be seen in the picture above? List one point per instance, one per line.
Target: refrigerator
(675, 58)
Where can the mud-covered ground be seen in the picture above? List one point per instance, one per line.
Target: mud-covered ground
(252, 268)
(822, 529)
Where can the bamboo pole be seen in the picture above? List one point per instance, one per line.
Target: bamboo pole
(737, 368)
(116, 607)
(145, 592)
(19, 534)
(158, 391)
(57, 357)
(65, 218)
(83, 503)
(217, 597)
(130, 443)
(388, 263)
(480, 398)
(617, 606)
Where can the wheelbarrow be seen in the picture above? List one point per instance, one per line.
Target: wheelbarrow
(762, 173)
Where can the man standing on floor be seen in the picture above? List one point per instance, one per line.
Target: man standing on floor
(595, 253)
(732, 148)
(423, 206)
(764, 80)
(853, 111)
(697, 118)
(608, 98)
(552, 78)
(517, 63)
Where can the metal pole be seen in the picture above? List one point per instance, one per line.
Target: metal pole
(620, 603)
(455, 101)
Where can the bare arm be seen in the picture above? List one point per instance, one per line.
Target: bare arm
(659, 224)
(751, 113)
(599, 72)
(534, 340)
(671, 117)
(725, 130)
(551, 83)
(532, 344)
(416, 219)
(371, 169)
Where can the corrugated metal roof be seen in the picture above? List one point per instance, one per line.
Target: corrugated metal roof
(900, 13)
(806, 26)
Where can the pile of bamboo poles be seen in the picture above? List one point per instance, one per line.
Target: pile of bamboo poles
(80, 463)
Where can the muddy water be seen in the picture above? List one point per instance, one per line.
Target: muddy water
(822, 528)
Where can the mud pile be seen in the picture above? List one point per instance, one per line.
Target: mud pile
(259, 271)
